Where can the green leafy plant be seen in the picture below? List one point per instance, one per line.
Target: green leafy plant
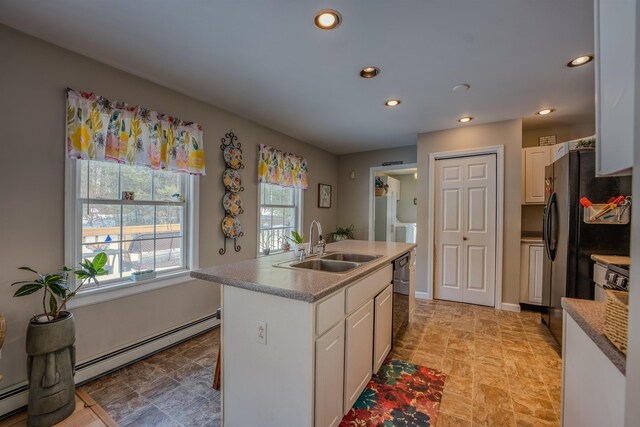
(296, 238)
(380, 183)
(346, 232)
(55, 286)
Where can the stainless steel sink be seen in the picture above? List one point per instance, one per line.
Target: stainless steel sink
(326, 265)
(343, 256)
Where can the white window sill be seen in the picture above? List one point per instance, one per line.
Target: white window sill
(124, 289)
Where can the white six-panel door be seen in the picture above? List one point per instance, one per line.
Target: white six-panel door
(466, 229)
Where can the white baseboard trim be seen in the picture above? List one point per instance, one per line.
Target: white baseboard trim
(510, 307)
(17, 396)
(423, 295)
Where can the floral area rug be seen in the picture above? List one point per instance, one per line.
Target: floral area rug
(400, 394)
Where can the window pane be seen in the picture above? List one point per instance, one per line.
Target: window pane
(278, 217)
(265, 217)
(169, 253)
(137, 179)
(137, 222)
(137, 255)
(103, 180)
(166, 184)
(112, 250)
(168, 221)
(100, 223)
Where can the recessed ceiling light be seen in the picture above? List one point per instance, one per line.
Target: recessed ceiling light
(392, 103)
(545, 111)
(465, 119)
(461, 88)
(580, 60)
(327, 19)
(369, 72)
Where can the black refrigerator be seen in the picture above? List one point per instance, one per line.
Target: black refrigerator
(568, 240)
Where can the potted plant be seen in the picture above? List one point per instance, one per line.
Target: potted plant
(343, 233)
(381, 187)
(266, 242)
(298, 242)
(50, 341)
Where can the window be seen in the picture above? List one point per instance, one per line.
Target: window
(280, 213)
(150, 232)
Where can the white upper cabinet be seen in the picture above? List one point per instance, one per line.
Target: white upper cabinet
(615, 55)
(534, 160)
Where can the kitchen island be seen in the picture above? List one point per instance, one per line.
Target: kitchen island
(299, 345)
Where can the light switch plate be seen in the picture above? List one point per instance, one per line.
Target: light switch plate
(261, 329)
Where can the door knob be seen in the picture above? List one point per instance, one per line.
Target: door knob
(464, 238)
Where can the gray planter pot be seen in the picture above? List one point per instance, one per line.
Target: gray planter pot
(51, 367)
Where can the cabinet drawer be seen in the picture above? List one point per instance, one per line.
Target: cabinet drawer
(368, 287)
(329, 311)
(599, 274)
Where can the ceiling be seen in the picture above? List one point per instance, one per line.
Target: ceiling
(265, 60)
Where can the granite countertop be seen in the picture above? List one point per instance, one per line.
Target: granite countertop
(260, 274)
(611, 259)
(589, 315)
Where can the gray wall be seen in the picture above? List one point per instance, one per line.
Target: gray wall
(353, 198)
(33, 77)
(406, 210)
(507, 133)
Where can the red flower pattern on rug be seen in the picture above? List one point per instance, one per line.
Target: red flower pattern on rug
(401, 394)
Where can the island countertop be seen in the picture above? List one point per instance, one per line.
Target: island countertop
(589, 315)
(261, 274)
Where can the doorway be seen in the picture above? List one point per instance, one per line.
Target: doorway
(393, 203)
(465, 225)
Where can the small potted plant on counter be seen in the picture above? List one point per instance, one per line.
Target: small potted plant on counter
(266, 242)
(50, 341)
(298, 242)
(343, 233)
(381, 187)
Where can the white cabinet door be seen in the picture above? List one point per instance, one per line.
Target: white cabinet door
(536, 260)
(593, 388)
(382, 328)
(358, 354)
(615, 57)
(329, 377)
(535, 159)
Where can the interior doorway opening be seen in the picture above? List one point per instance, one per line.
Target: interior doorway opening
(393, 203)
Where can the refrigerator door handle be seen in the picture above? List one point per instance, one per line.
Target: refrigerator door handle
(552, 231)
(549, 244)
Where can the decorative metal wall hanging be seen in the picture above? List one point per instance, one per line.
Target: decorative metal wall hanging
(232, 201)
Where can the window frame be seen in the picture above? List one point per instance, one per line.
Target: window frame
(299, 196)
(115, 288)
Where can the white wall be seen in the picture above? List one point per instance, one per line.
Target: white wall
(33, 78)
(507, 133)
(353, 199)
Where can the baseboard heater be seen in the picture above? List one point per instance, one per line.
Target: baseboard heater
(15, 399)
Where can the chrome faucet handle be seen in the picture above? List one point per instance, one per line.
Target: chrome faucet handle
(302, 251)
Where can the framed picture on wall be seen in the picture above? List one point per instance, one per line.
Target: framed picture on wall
(324, 196)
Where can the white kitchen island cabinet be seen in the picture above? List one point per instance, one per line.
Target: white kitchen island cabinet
(358, 359)
(298, 346)
(593, 379)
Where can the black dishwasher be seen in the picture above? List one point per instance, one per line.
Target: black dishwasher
(401, 277)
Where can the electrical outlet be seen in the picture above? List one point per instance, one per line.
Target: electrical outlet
(262, 332)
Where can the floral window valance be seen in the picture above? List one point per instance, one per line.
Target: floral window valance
(281, 168)
(112, 131)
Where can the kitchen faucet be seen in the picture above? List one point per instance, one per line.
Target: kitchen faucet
(320, 246)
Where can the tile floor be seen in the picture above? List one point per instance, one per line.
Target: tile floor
(502, 369)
